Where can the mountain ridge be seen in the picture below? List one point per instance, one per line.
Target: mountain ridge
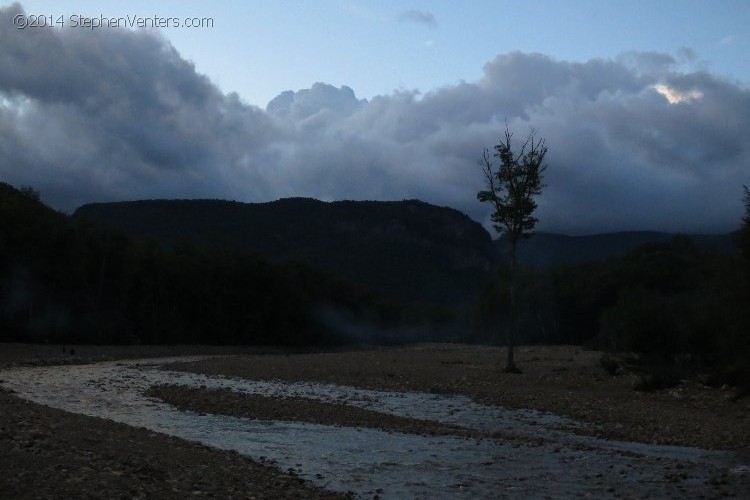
(409, 250)
(337, 236)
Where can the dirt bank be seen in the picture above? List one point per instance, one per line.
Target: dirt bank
(297, 409)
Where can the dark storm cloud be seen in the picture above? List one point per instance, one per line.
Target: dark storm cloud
(115, 114)
(111, 114)
(420, 17)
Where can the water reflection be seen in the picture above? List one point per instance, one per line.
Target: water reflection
(541, 456)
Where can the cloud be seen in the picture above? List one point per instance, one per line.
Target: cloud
(321, 98)
(117, 114)
(420, 17)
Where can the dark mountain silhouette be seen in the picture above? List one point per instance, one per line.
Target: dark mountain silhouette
(300, 271)
(409, 250)
(406, 250)
(64, 280)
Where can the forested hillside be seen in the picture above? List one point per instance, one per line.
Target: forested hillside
(551, 249)
(408, 251)
(64, 280)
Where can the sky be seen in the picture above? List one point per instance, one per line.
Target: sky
(645, 106)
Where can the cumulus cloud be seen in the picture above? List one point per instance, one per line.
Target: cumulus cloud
(420, 17)
(117, 114)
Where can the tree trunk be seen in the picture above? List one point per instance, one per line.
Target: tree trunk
(511, 364)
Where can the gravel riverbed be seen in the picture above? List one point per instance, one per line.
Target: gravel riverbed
(48, 453)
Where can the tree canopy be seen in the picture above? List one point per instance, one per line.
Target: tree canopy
(512, 182)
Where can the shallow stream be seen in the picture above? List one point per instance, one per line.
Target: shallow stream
(539, 454)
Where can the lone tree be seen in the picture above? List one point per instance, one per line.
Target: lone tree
(512, 182)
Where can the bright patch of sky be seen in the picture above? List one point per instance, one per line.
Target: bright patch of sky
(674, 96)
